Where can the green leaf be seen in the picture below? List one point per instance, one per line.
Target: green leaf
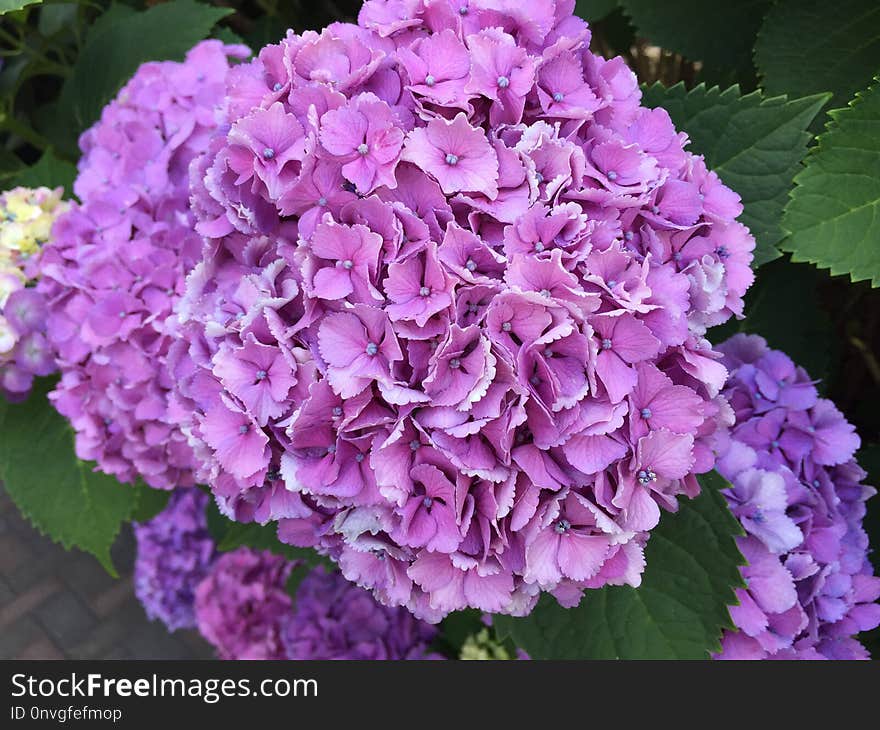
(755, 144)
(720, 35)
(456, 628)
(591, 10)
(806, 46)
(49, 172)
(783, 307)
(265, 30)
(56, 17)
(62, 496)
(7, 6)
(230, 535)
(296, 576)
(833, 217)
(679, 610)
(114, 50)
(869, 459)
(10, 165)
(228, 36)
(149, 502)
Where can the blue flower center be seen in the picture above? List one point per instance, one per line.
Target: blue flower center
(646, 413)
(429, 80)
(612, 175)
(262, 375)
(606, 344)
(503, 82)
(646, 476)
(455, 363)
(424, 292)
(362, 148)
(372, 348)
(451, 159)
(558, 97)
(562, 526)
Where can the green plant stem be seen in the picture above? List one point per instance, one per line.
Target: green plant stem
(12, 125)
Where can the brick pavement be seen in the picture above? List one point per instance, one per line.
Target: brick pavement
(56, 604)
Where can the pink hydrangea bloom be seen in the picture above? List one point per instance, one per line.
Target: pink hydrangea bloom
(117, 262)
(482, 274)
(796, 490)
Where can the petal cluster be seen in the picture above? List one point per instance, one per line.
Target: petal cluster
(26, 218)
(117, 263)
(174, 554)
(448, 324)
(333, 619)
(796, 490)
(242, 607)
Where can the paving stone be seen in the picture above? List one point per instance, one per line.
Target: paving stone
(107, 602)
(56, 603)
(41, 649)
(152, 641)
(66, 619)
(86, 577)
(14, 554)
(7, 595)
(27, 602)
(18, 635)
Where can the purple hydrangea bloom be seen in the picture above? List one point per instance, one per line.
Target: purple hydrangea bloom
(174, 554)
(117, 264)
(448, 329)
(334, 619)
(797, 492)
(242, 607)
(26, 217)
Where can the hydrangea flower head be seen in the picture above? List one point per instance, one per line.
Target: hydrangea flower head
(26, 218)
(174, 554)
(796, 490)
(333, 619)
(242, 607)
(117, 263)
(448, 326)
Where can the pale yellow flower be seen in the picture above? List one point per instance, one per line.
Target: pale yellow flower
(481, 646)
(26, 218)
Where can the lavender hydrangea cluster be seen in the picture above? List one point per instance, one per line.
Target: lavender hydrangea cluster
(242, 607)
(174, 554)
(26, 218)
(448, 328)
(797, 492)
(117, 263)
(334, 619)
